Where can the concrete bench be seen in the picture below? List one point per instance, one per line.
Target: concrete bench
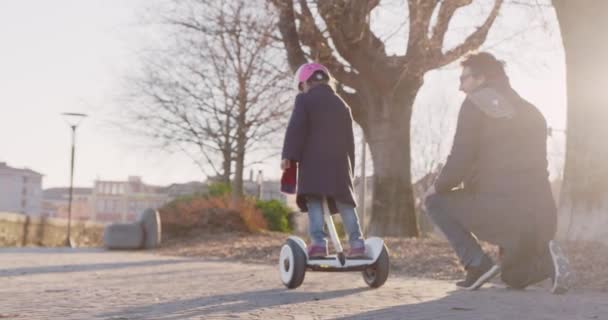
(123, 236)
(144, 233)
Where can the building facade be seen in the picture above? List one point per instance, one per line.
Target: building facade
(114, 201)
(20, 190)
(55, 203)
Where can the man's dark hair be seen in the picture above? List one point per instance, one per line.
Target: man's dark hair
(485, 64)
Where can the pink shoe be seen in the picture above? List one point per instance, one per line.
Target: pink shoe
(317, 251)
(358, 252)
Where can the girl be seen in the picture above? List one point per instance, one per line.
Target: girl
(319, 140)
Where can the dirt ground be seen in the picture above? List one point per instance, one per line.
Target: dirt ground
(423, 257)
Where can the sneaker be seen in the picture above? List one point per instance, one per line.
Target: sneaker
(317, 251)
(477, 276)
(357, 252)
(485, 277)
(562, 276)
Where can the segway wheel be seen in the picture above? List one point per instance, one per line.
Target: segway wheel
(292, 264)
(375, 275)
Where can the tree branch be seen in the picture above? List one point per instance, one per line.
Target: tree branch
(472, 42)
(289, 34)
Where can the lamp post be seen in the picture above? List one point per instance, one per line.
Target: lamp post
(73, 120)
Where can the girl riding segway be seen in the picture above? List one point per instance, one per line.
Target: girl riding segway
(318, 157)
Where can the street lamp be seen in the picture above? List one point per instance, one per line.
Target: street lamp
(73, 120)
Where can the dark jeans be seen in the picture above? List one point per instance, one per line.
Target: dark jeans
(463, 217)
(441, 210)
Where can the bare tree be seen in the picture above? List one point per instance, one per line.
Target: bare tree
(380, 88)
(584, 195)
(219, 89)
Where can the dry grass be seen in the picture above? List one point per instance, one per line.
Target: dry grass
(426, 257)
(423, 257)
(261, 247)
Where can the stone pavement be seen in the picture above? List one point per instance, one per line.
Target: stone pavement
(38, 283)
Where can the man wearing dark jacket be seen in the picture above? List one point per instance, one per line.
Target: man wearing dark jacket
(494, 185)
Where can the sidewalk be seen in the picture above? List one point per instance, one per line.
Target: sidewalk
(96, 284)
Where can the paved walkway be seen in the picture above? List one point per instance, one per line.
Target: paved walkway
(95, 284)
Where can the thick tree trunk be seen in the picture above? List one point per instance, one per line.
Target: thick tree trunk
(388, 134)
(583, 212)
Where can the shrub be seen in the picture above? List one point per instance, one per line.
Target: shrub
(276, 214)
(213, 214)
(219, 189)
(252, 216)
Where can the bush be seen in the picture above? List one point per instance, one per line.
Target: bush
(219, 189)
(213, 214)
(276, 214)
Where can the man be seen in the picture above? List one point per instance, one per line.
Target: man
(494, 185)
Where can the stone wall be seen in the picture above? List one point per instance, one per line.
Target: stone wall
(21, 230)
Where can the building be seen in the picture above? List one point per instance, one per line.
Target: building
(20, 190)
(267, 190)
(55, 203)
(176, 190)
(114, 201)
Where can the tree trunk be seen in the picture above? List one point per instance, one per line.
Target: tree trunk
(388, 134)
(226, 153)
(226, 166)
(583, 212)
(241, 142)
(237, 184)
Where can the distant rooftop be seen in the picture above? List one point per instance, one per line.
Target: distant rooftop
(4, 166)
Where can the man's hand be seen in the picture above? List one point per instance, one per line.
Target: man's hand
(285, 164)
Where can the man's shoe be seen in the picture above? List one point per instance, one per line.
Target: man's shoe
(477, 276)
(562, 276)
(317, 251)
(485, 277)
(471, 276)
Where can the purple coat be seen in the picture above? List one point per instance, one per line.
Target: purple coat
(320, 138)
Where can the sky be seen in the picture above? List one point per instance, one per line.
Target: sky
(73, 56)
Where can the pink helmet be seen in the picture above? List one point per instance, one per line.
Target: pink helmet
(306, 70)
